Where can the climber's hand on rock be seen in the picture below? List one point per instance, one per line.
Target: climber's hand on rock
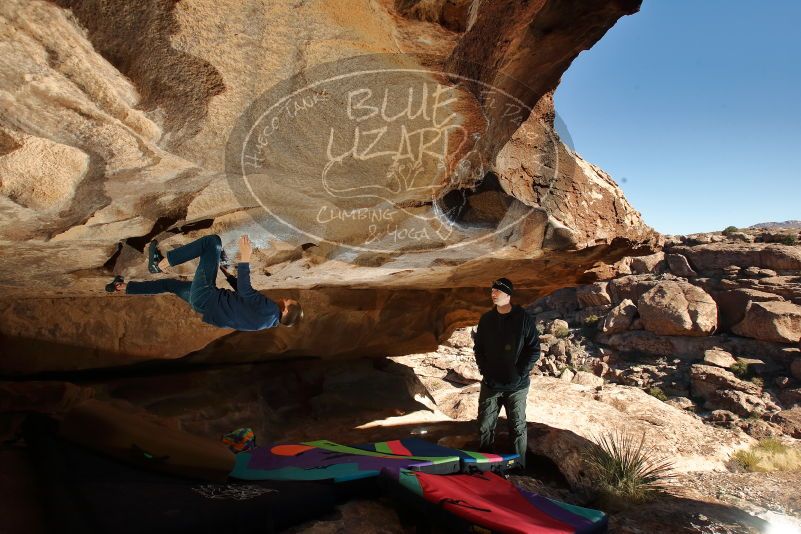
(245, 249)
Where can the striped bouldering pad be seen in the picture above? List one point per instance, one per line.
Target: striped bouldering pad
(441, 462)
(324, 460)
(490, 501)
(470, 462)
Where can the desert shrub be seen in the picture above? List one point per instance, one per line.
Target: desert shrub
(740, 369)
(772, 445)
(746, 459)
(625, 469)
(758, 381)
(730, 230)
(591, 320)
(788, 240)
(769, 454)
(561, 332)
(657, 393)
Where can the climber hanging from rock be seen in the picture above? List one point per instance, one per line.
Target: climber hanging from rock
(242, 309)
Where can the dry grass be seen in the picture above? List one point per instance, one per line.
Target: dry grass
(769, 454)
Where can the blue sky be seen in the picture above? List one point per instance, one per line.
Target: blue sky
(694, 108)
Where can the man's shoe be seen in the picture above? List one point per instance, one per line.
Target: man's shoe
(154, 256)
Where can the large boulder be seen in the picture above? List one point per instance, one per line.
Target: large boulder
(587, 379)
(674, 308)
(742, 403)
(720, 358)
(630, 287)
(593, 295)
(619, 319)
(771, 321)
(563, 301)
(722, 390)
(707, 380)
(790, 422)
(651, 264)
(679, 266)
(733, 302)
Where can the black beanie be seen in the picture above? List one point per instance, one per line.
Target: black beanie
(503, 284)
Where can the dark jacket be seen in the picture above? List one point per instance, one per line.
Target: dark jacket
(506, 346)
(243, 309)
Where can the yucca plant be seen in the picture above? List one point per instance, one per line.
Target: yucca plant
(625, 469)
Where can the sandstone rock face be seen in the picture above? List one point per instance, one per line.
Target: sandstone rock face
(119, 129)
(771, 321)
(620, 318)
(690, 347)
(339, 322)
(678, 309)
(717, 256)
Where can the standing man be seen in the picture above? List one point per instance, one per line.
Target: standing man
(506, 345)
(241, 309)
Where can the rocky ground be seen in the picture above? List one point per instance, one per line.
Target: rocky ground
(711, 325)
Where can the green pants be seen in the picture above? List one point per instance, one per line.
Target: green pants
(489, 406)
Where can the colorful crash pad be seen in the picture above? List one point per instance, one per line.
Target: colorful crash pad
(306, 461)
(441, 461)
(492, 502)
(470, 462)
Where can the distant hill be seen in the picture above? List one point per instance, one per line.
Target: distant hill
(774, 225)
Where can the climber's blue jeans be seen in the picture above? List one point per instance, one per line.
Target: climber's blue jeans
(489, 406)
(196, 292)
